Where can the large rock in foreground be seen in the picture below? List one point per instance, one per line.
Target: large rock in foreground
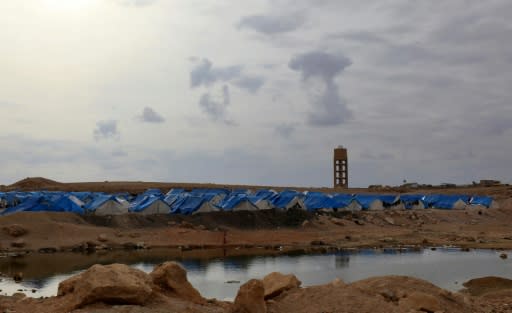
(275, 283)
(171, 276)
(115, 283)
(483, 285)
(250, 298)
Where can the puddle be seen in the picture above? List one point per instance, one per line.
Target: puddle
(218, 273)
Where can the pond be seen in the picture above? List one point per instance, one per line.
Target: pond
(218, 273)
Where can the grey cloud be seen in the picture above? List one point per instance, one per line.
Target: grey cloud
(250, 83)
(285, 130)
(119, 153)
(268, 25)
(361, 36)
(151, 116)
(204, 74)
(106, 130)
(216, 108)
(319, 64)
(329, 108)
(382, 156)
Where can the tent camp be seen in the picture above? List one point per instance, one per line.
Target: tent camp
(369, 202)
(344, 202)
(289, 199)
(107, 205)
(450, 202)
(412, 202)
(236, 203)
(483, 201)
(318, 202)
(187, 204)
(151, 205)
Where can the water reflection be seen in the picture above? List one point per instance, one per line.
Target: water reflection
(209, 271)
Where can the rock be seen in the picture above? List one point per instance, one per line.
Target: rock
(18, 243)
(171, 276)
(359, 222)
(389, 220)
(503, 256)
(48, 250)
(389, 295)
(201, 227)
(306, 223)
(337, 283)
(186, 225)
(421, 302)
(337, 221)
(250, 298)
(115, 283)
(171, 223)
(483, 285)
(102, 237)
(275, 283)
(17, 277)
(15, 230)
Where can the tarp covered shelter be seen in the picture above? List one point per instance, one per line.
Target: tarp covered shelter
(151, 205)
(108, 205)
(345, 202)
(238, 202)
(369, 202)
(187, 204)
(412, 202)
(451, 202)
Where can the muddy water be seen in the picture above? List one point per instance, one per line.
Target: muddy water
(218, 273)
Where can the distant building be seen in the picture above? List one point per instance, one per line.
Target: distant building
(489, 182)
(340, 169)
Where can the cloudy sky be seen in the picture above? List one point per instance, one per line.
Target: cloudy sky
(256, 91)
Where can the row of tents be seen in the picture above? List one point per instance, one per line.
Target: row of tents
(180, 201)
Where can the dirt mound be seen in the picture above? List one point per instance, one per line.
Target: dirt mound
(243, 219)
(410, 293)
(252, 219)
(35, 183)
(377, 295)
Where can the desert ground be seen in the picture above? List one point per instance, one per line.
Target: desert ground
(266, 232)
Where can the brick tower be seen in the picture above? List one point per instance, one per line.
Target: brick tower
(340, 167)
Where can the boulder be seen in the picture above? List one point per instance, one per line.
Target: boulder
(250, 298)
(483, 285)
(14, 230)
(420, 301)
(115, 283)
(337, 283)
(337, 221)
(389, 220)
(275, 283)
(171, 276)
(102, 237)
(18, 243)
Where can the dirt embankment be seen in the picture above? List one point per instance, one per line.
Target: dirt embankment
(119, 288)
